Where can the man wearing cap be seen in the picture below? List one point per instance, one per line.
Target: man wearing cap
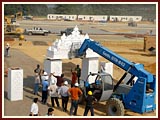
(89, 104)
(75, 92)
(63, 91)
(45, 85)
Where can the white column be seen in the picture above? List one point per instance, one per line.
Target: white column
(51, 66)
(89, 65)
(107, 67)
(15, 84)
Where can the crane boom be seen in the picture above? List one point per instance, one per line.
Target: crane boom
(135, 69)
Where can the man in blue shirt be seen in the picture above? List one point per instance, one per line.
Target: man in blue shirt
(45, 85)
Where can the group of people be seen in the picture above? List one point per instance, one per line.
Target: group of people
(56, 87)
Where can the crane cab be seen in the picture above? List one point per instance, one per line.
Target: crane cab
(101, 86)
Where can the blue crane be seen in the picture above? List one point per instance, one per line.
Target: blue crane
(141, 97)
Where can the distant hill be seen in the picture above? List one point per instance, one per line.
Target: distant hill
(145, 10)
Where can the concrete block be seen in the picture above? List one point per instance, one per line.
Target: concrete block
(107, 67)
(89, 65)
(15, 84)
(51, 66)
(149, 41)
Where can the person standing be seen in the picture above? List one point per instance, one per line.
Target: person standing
(53, 93)
(60, 79)
(45, 85)
(37, 72)
(74, 78)
(34, 108)
(78, 70)
(89, 104)
(63, 91)
(75, 92)
(7, 49)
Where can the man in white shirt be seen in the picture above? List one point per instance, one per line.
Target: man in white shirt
(63, 91)
(53, 94)
(34, 108)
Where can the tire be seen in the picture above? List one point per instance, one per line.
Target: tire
(114, 107)
(30, 33)
(45, 34)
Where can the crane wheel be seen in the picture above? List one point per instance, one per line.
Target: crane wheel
(114, 107)
(30, 33)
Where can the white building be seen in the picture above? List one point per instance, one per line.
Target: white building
(125, 18)
(93, 17)
(99, 18)
(61, 17)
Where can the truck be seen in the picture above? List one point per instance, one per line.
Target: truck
(37, 31)
(132, 24)
(68, 31)
(137, 93)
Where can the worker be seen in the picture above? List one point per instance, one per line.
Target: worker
(74, 77)
(53, 93)
(78, 70)
(7, 48)
(151, 32)
(45, 85)
(37, 79)
(60, 79)
(63, 91)
(90, 99)
(75, 92)
(34, 108)
(97, 89)
(50, 112)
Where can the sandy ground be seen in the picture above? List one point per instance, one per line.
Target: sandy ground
(28, 55)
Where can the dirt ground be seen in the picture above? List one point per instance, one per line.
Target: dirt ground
(29, 54)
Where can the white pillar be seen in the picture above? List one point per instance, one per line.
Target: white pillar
(107, 67)
(89, 65)
(51, 66)
(15, 84)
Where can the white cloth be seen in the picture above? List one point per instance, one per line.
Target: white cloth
(34, 108)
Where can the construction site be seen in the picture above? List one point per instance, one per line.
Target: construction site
(136, 44)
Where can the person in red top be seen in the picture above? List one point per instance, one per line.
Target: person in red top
(60, 79)
(75, 92)
(74, 77)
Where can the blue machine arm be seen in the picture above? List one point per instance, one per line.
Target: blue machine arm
(137, 99)
(106, 53)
